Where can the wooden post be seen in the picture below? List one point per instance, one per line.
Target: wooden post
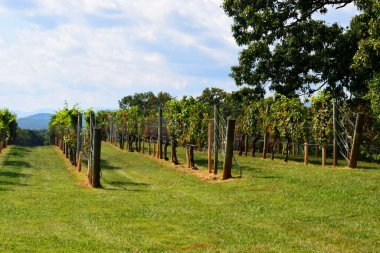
(293, 149)
(79, 139)
(335, 145)
(216, 133)
(188, 156)
(306, 153)
(265, 148)
(229, 149)
(356, 141)
(79, 163)
(66, 150)
(246, 146)
(324, 154)
(97, 150)
(210, 125)
(91, 156)
(159, 140)
(149, 149)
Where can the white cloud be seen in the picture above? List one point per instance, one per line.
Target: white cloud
(96, 51)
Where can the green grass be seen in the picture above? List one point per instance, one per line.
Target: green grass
(147, 206)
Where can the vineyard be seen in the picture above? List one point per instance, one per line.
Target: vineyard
(278, 153)
(328, 128)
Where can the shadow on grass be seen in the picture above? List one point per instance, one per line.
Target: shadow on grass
(125, 185)
(105, 165)
(18, 164)
(11, 174)
(2, 183)
(19, 151)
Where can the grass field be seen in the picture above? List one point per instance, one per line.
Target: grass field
(146, 205)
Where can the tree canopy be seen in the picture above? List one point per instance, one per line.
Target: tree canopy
(288, 49)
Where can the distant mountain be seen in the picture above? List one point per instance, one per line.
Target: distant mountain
(35, 122)
(22, 114)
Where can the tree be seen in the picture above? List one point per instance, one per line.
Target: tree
(147, 102)
(367, 58)
(285, 47)
(213, 96)
(374, 95)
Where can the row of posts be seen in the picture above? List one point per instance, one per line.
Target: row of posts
(213, 146)
(354, 152)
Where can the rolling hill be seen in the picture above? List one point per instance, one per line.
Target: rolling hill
(35, 122)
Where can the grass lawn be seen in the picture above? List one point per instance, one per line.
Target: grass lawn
(148, 206)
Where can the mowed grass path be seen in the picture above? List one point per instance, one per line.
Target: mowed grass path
(146, 206)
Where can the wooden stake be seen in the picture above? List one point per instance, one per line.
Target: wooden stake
(216, 133)
(79, 139)
(324, 154)
(159, 144)
(97, 151)
(188, 156)
(335, 145)
(306, 153)
(246, 146)
(265, 148)
(229, 149)
(357, 139)
(79, 163)
(210, 125)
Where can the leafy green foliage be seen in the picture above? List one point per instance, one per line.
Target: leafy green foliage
(63, 124)
(27, 137)
(290, 117)
(285, 46)
(147, 102)
(8, 125)
(322, 118)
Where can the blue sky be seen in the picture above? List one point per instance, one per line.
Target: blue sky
(94, 52)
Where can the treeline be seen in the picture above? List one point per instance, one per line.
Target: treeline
(27, 137)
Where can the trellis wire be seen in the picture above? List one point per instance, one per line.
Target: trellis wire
(345, 129)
